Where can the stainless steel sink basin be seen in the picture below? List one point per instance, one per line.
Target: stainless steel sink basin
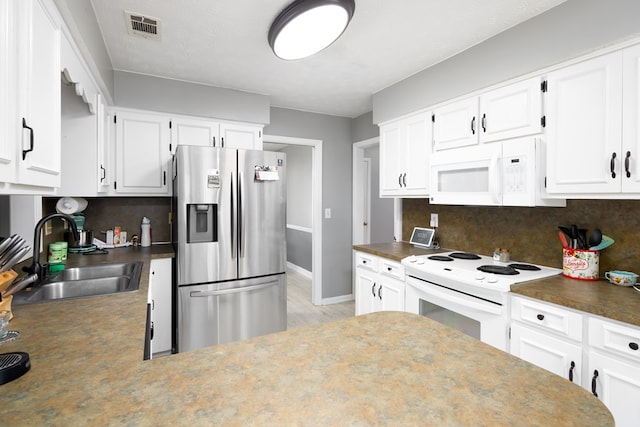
(81, 282)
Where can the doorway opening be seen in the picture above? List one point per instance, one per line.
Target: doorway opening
(300, 145)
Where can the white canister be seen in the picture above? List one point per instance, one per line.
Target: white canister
(145, 232)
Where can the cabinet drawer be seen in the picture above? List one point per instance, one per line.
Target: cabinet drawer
(391, 268)
(363, 260)
(548, 317)
(616, 338)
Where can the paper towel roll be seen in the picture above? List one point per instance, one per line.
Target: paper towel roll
(71, 205)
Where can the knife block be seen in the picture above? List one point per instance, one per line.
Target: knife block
(6, 278)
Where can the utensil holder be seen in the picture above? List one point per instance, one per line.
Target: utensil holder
(6, 278)
(581, 264)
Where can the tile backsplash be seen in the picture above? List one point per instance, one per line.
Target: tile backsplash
(104, 213)
(531, 234)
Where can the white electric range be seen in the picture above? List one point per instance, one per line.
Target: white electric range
(467, 291)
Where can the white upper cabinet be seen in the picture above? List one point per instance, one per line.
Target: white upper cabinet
(584, 126)
(38, 94)
(630, 153)
(510, 111)
(237, 135)
(405, 146)
(142, 153)
(187, 131)
(8, 150)
(456, 124)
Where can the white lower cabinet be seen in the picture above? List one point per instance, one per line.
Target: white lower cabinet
(379, 284)
(601, 355)
(547, 336)
(160, 300)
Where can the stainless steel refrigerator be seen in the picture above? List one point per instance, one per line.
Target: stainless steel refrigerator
(229, 210)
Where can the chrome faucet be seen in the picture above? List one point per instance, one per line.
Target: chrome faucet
(35, 267)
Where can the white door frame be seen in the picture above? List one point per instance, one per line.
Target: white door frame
(358, 155)
(357, 207)
(316, 208)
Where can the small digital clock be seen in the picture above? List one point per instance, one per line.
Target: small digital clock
(422, 237)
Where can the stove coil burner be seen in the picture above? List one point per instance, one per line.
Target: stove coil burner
(524, 267)
(499, 269)
(440, 258)
(464, 255)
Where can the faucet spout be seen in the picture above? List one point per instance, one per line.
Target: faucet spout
(35, 267)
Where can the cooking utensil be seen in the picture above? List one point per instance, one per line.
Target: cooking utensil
(595, 237)
(605, 243)
(12, 250)
(569, 236)
(17, 256)
(6, 243)
(19, 285)
(563, 239)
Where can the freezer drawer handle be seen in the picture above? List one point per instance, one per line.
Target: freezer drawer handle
(233, 291)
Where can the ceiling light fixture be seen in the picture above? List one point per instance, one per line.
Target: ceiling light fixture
(306, 27)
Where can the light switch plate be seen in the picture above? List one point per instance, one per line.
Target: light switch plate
(434, 220)
(327, 213)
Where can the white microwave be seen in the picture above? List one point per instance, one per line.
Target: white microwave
(507, 173)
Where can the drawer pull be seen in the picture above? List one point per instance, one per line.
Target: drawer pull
(540, 316)
(389, 269)
(633, 346)
(593, 383)
(573, 366)
(364, 261)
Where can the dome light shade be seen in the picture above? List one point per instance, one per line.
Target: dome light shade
(306, 27)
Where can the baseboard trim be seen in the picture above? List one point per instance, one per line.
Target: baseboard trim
(306, 273)
(337, 300)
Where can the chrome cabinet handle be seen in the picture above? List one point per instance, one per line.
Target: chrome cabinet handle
(24, 126)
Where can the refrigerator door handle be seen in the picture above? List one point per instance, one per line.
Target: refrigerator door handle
(241, 221)
(199, 294)
(233, 220)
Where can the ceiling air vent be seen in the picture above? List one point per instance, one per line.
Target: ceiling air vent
(143, 26)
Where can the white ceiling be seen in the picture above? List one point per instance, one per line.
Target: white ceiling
(224, 43)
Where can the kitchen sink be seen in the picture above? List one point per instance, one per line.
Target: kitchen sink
(81, 282)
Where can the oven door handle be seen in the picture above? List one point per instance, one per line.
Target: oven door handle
(485, 308)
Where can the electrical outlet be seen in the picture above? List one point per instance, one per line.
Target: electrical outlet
(327, 213)
(434, 220)
(48, 228)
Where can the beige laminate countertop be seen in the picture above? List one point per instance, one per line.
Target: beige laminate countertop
(595, 297)
(385, 368)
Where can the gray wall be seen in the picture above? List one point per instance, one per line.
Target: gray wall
(299, 249)
(569, 30)
(299, 168)
(335, 133)
(362, 128)
(174, 96)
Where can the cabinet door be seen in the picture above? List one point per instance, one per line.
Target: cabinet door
(617, 384)
(584, 121)
(390, 295)
(235, 135)
(39, 95)
(631, 121)
(8, 151)
(511, 111)
(194, 132)
(160, 284)
(390, 153)
(366, 291)
(456, 124)
(558, 356)
(415, 154)
(143, 153)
